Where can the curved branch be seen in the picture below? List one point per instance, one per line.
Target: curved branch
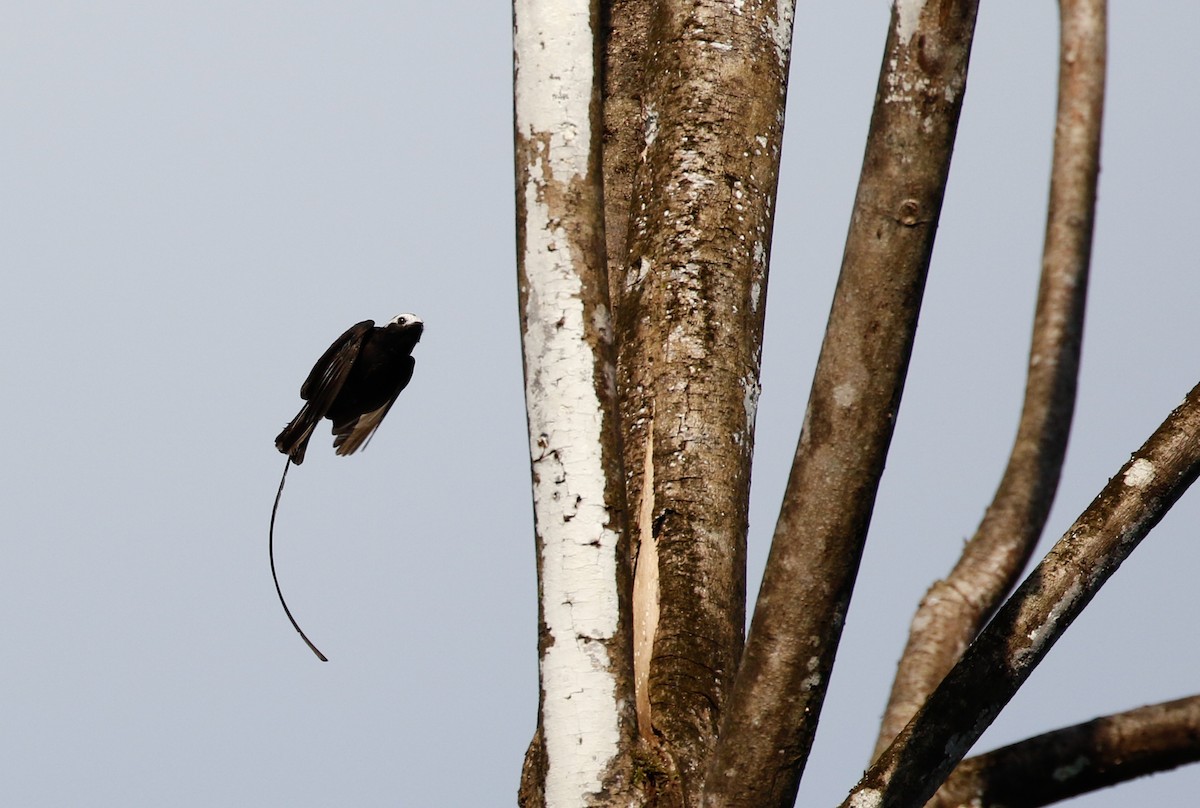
(1075, 760)
(1024, 629)
(772, 717)
(953, 610)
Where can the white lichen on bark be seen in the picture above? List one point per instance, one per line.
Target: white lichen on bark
(867, 798)
(1045, 630)
(908, 17)
(552, 44)
(780, 29)
(1140, 473)
(553, 55)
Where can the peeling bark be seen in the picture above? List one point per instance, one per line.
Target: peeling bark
(953, 610)
(645, 595)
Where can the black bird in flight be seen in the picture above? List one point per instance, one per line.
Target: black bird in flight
(353, 384)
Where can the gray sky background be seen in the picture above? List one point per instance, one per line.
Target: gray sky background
(198, 197)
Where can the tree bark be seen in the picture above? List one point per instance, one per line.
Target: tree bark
(582, 752)
(1023, 631)
(647, 151)
(691, 300)
(627, 28)
(769, 726)
(953, 610)
(1074, 760)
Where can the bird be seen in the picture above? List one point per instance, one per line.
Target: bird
(354, 384)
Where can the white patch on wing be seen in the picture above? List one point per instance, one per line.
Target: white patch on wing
(351, 440)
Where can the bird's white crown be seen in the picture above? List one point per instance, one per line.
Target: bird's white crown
(407, 318)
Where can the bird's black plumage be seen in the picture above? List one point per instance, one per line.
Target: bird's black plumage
(354, 384)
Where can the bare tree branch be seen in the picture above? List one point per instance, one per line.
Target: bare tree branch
(953, 610)
(769, 726)
(586, 726)
(1024, 629)
(690, 316)
(1077, 759)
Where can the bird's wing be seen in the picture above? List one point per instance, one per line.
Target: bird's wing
(350, 436)
(320, 390)
(331, 369)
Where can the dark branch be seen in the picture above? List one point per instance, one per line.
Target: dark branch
(1075, 760)
(1023, 631)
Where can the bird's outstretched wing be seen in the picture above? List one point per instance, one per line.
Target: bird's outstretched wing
(352, 435)
(320, 390)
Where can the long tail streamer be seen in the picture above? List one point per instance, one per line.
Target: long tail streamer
(271, 549)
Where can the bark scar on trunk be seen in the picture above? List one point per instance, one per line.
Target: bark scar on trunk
(645, 592)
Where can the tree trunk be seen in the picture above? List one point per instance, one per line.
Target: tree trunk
(586, 723)
(648, 140)
(690, 301)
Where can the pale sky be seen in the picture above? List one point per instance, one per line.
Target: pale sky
(199, 197)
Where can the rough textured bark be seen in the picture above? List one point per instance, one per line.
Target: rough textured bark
(582, 752)
(1024, 629)
(769, 726)
(626, 25)
(639, 640)
(953, 610)
(692, 294)
(1078, 759)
